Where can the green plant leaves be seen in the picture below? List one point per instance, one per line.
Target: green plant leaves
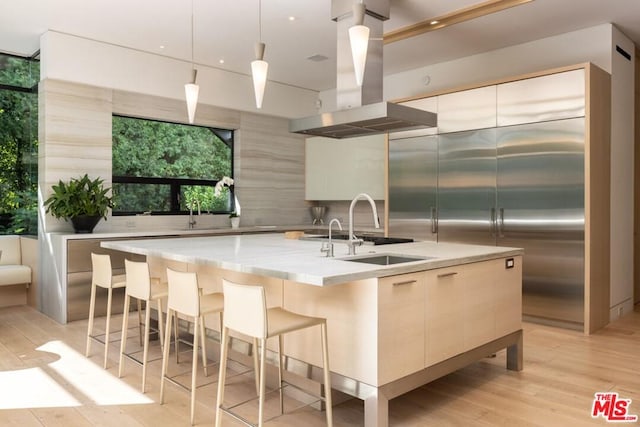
(79, 196)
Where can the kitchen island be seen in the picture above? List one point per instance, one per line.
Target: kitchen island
(391, 328)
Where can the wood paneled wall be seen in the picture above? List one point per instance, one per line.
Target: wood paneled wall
(75, 138)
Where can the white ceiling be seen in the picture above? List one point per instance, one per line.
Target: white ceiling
(228, 29)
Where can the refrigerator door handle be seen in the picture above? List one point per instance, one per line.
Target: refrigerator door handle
(434, 220)
(501, 223)
(494, 222)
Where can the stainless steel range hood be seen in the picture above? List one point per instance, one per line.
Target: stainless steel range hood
(361, 108)
(369, 119)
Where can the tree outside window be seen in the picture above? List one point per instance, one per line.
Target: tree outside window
(169, 168)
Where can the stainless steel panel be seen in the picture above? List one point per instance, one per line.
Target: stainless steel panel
(425, 104)
(413, 169)
(467, 187)
(467, 110)
(541, 209)
(552, 97)
(369, 119)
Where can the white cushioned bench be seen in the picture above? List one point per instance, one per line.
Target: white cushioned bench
(12, 271)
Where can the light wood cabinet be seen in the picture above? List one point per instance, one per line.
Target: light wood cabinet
(469, 305)
(444, 325)
(381, 330)
(401, 324)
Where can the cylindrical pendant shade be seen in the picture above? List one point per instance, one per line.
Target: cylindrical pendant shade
(191, 91)
(359, 39)
(259, 72)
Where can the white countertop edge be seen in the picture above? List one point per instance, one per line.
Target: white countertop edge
(324, 274)
(184, 232)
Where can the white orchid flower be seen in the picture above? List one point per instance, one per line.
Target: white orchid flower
(225, 180)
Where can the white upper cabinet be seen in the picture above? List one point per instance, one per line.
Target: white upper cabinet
(552, 97)
(340, 169)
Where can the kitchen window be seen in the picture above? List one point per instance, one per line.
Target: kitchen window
(19, 78)
(168, 168)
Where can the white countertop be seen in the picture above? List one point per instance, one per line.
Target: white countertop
(133, 233)
(301, 261)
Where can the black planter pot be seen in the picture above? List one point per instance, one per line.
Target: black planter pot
(84, 224)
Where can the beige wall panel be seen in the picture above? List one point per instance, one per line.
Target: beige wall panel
(153, 107)
(269, 164)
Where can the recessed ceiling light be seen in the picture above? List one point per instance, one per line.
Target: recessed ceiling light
(221, 61)
(292, 18)
(161, 46)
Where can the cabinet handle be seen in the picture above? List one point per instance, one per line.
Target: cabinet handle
(434, 220)
(494, 222)
(501, 223)
(452, 273)
(407, 282)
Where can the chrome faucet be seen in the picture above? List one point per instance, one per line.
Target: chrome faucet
(353, 240)
(328, 248)
(192, 221)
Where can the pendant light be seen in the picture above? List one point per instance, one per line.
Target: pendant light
(259, 67)
(359, 39)
(191, 89)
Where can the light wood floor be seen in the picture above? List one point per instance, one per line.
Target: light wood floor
(562, 371)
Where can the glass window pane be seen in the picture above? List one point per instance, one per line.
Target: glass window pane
(148, 148)
(18, 146)
(141, 197)
(19, 72)
(203, 197)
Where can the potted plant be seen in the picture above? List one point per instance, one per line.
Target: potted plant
(235, 219)
(82, 200)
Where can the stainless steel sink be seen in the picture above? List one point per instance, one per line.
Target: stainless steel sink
(386, 259)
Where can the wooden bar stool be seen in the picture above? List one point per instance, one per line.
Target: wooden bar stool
(185, 298)
(141, 286)
(102, 276)
(245, 311)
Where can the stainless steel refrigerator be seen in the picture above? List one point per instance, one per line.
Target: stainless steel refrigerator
(413, 182)
(520, 186)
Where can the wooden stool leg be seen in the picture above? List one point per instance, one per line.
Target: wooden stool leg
(123, 338)
(256, 365)
(108, 324)
(204, 346)
(145, 350)
(223, 373)
(263, 357)
(165, 357)
(194, 368)
(139, 303)
(280, 350)
(176, 337)
(160, 326)
(92, 310)
(327, 375)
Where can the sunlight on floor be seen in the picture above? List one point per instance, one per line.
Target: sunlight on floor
(32, 388)
(67, 382)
